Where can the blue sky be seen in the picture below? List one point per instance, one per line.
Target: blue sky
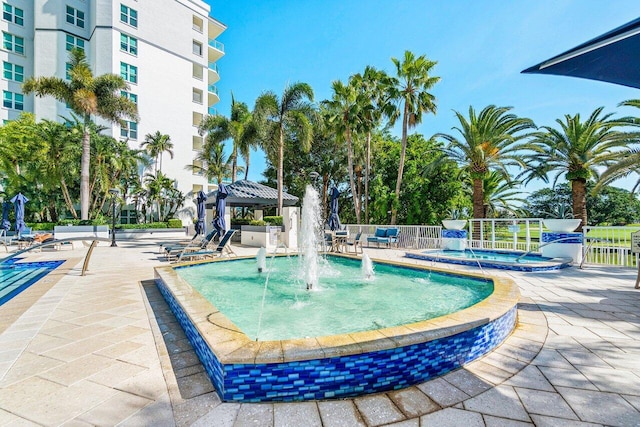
(480, 47)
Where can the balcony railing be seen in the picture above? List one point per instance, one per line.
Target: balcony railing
(214, 67)
(216, 45)
(212, 89)
(212, 111)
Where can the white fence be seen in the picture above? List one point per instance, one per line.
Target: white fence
(602, 245)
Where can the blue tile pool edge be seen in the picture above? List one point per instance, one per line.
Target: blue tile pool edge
(341, 376)
(15, 262)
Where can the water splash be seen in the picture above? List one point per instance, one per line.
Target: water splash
(261, 259)
(311, 233)
(367, 268)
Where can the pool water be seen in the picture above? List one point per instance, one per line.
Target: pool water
(500, 259)
(343, 302)
(490, 256)
(17, 276)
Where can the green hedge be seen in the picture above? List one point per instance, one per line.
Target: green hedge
(174, 223)
(273, 220)
(142, 226)
(41, 226)
(240, 221)
(257, 222)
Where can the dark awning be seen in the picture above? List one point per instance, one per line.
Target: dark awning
(246, 193)
(613, 57)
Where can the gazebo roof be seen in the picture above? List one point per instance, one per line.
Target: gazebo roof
(246, 193)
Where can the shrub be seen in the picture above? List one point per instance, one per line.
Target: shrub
(273, 220)
(257, 222)
(143, 226)
(38, 226)
(240, 221)
(174, 223)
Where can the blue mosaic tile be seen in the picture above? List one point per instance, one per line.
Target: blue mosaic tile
(548, 237)
(454, 234)
(488, 264)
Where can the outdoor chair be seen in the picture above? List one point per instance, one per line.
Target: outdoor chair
(355, 243)
(223, 248)
(386, 236)
(172, 251)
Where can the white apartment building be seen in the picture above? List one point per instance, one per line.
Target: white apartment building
(165, 49)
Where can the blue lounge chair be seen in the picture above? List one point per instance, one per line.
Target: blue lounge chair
(223, 248)
(387, 236)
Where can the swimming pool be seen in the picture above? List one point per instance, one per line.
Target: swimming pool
(504, 260)
(17, 276)
(349, 364)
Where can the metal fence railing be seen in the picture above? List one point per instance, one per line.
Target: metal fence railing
(602, 245)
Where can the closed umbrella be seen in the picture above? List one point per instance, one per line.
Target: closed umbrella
(334, 220)
(218, 222)
(612, 57)
(18, 202)
(201, 227)
(5, 225)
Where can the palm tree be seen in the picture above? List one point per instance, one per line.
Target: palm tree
(345, 112)
(240, 128)
(408, 93)
(87, 96)
(576, 149)
(501, 193)
(369, 84)
(488, 141)
(214, 164)
(155, 144)
(289, 116)
(629, 161)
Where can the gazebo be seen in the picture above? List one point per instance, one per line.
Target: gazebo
(245, 193)
(250, 194)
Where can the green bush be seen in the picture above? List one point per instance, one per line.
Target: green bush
(39, 226)
(96, 221)
(273, 220)
(240, 221)
(257, 222)
(143, 226)
(174, 223)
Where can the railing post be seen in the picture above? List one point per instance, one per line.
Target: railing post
(493, 234)
(527, 237)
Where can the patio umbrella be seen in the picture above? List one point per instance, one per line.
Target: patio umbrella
(201, 227)
(18, 202)
(218, 222)
(613, 57)
(5, 225)
(334, 220)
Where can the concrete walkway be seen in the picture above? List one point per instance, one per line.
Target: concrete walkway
(104, 349)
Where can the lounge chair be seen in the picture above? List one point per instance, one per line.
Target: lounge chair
(223, 248)
(176, 249)
(387, 236)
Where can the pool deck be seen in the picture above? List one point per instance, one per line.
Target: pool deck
(104, 349)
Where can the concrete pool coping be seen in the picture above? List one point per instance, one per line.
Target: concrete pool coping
(231, 346)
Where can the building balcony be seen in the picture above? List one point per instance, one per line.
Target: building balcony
(215, 28)
(213, 73)
(212, 111)
(216, 50)
(213, 96)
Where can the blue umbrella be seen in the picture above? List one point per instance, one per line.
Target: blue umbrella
(5, 225)
(334, 220)
(18, 202)
(611, 57)
(218, 222)
(201, 227)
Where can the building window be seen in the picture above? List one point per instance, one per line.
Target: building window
(75, 17)
(12, 14)
(129, 44)
(197, 96)
(197, 48)
(74, 42)
(131, 96)
(12, 100)
(129, 130)
(13, 72)
(129, 72)
(13, 43)
(67, 71)
(129, 16)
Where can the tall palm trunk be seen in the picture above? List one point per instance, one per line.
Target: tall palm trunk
(280, 177)
(579, 199)
(403, 152)
(84, 170)
(354, 192)
(366, 179)
(478, 206)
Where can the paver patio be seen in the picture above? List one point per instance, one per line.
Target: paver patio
(104, 349)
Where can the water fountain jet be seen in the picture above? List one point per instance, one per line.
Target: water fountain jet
(311, 229)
